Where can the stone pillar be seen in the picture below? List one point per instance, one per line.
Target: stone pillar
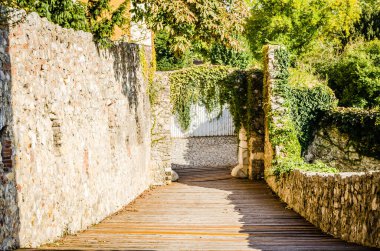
(243, 151)
(256, 117)
(161, 171)
(270, 102)
(242, 169)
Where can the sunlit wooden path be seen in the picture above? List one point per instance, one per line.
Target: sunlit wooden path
(206, 210)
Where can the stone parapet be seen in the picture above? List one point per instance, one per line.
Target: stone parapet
(345, 205)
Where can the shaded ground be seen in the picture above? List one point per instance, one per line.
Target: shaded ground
(206, 210)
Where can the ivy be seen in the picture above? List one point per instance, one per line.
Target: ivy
(307, 107)
(214, 87)
(199, 84)
(290, 129)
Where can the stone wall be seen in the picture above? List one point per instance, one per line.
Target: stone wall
(204, 151)
(339, 149)
(161, 135)
(75, 131)
(345, 205)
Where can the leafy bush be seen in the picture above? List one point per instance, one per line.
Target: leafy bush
(285, 166)
(355, 75)
(309, 97)
(96, 16)
(221, 55)
(166, 59)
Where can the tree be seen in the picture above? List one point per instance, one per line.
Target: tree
(299, 23)
(189, 21)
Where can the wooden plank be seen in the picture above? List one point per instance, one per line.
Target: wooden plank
(205, 210)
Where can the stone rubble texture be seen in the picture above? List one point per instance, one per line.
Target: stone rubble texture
(345, 205)
(204, 152)
(161, 136)
(339, 150)
(75, 120)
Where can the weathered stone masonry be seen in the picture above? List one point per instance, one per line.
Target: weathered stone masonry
(75, 131)
(345, 205)
(340, 150)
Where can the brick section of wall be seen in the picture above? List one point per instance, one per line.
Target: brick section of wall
(79, 122)
(6, 155)
(204, 152)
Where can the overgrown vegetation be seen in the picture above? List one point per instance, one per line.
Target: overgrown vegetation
(214, 87)
(95, 16)
(194, 21)
(355, 75)
(290, 129)
(199, 84)
(215, 53)
(337, 41)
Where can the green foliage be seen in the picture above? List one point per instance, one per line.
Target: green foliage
(286, 166)
(199, 84)
(307, 106)
(298, 24)
(188, 21)
(221, 55)
(166, 59)
(368, 26)
(96, 16)
(355, 75)
(290, 130)
(214, 87)
(363, 126)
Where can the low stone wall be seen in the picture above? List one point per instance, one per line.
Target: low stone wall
(75, 131)
(204, 151)
(345, 205)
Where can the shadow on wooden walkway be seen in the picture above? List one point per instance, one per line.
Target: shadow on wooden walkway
(206, 210)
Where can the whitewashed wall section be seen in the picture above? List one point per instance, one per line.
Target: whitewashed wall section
(204, 124)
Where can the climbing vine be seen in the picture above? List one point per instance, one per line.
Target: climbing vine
(290, 129)
(198, 85)
(214, 87)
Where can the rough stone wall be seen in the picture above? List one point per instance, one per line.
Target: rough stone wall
(339, 150)
(257, 137)
(161, 136)
(274, 108)
(345, 205)
(9, 212)
(204, 151)
(76, 123)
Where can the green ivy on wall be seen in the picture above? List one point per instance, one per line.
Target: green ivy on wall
(197, 85)
(290, 129)
(214, 86)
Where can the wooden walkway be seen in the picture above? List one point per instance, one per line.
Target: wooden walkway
(206, 210)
